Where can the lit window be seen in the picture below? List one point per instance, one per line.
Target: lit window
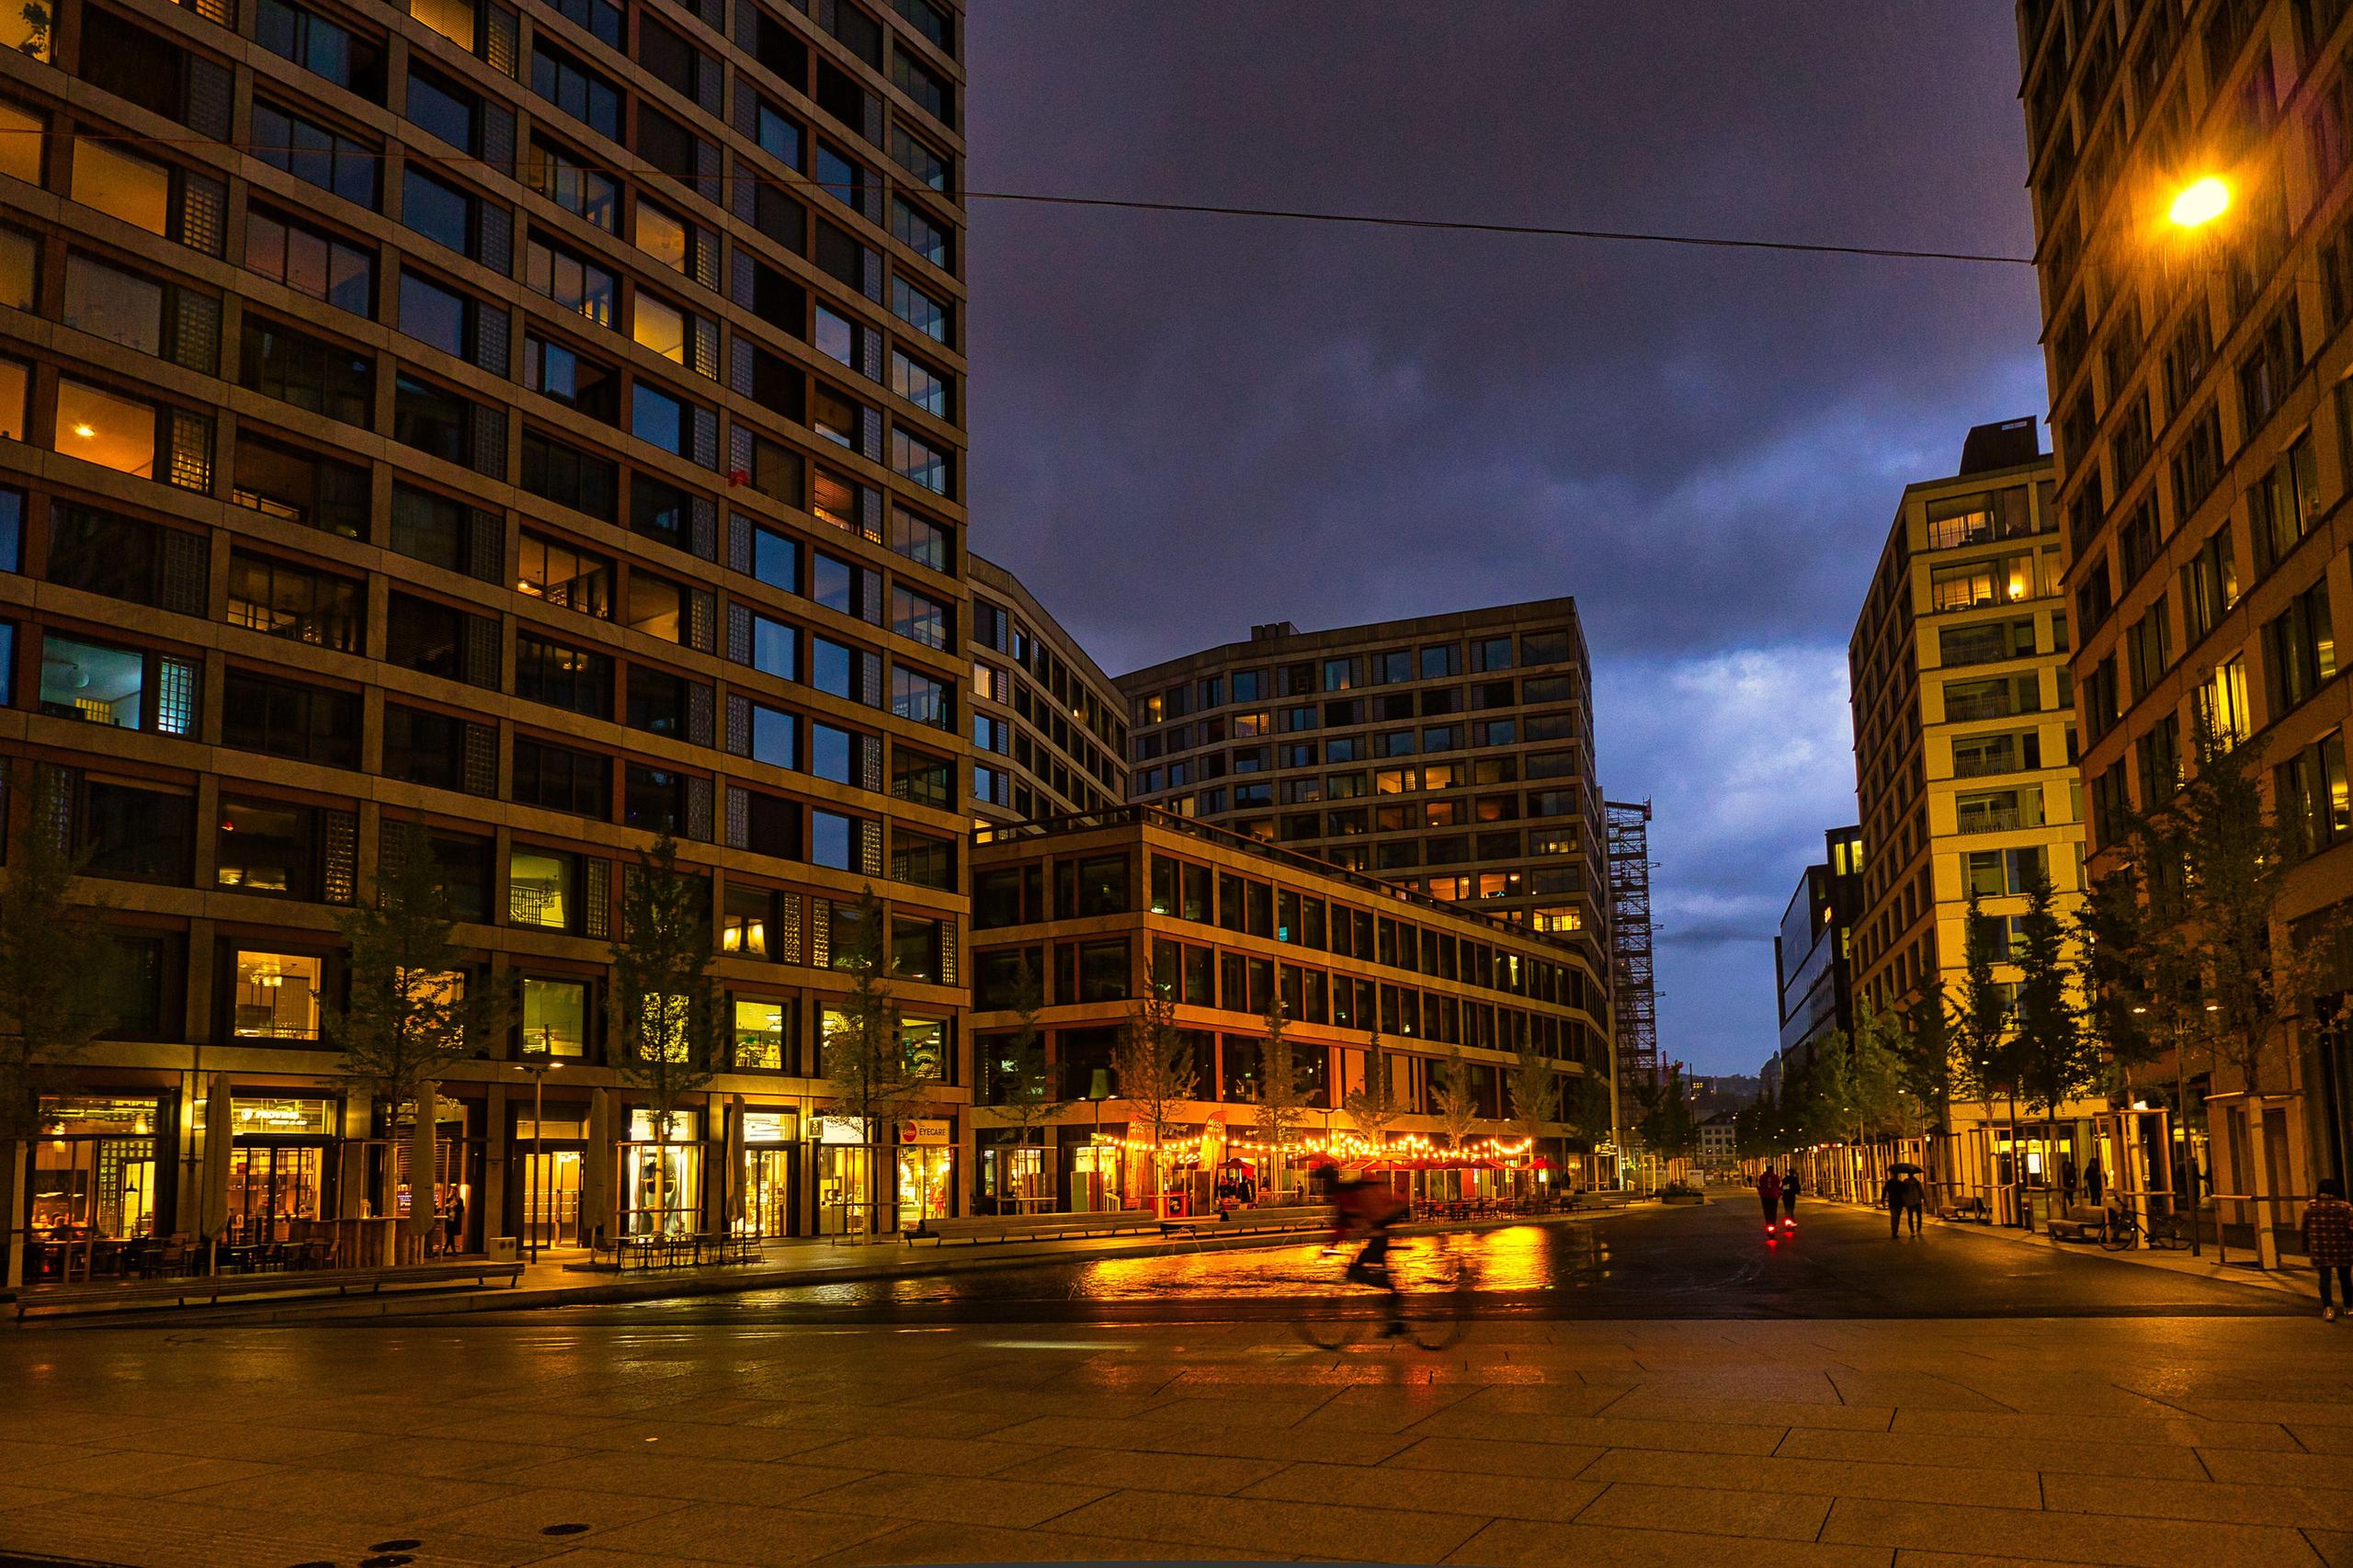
(661, 237)
(555, 1017)
(15, 385)
(104, 429)
(132, 189)
(661, 327)
(21, 133)
(277, 995)
(538, 889)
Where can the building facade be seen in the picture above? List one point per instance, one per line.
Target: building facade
(1964, 741)
(1096, 909)
(1812, 953)
(542, 425)
(1050, 729)
(2198, 394)
(1450, 755)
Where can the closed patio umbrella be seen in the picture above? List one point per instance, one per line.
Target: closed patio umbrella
(597, 1170)
(421, 1217)
(733, 1211)
(212, 1214)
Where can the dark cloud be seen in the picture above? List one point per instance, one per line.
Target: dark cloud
(1183, 425)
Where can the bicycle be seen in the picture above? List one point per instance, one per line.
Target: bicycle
(1431, 1316)
(2168, 1232)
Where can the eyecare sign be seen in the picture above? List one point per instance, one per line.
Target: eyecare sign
(924, 1129)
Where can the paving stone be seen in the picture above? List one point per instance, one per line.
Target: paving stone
(730, 1534)
(1996, 1453)
(1479, 1455)
(1520, 1543)
(528, 1513)
(2331, 1470)
(926, 1455)
(2070, 1538)
(1114, 1469)
(930, 1542)
(1435, 1491)
(2296, 1507)
(990, 1500)
(1345, 1448)
(1774, 1515)
(686, 1479)
(1825, 1478)
(1645, 1403)
(1256, 1524)
(1603, 1431)
(2093, 1430)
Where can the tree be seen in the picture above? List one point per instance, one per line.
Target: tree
(1586, 1110)
(667, 1025)
(2056, 1061)
(1154, 1064)
(1534, 1087)
(1279, 1099)
(1927, 1068)
(1025, 1098)
(1458, 1106)
(60, 974)
(1373, 1107)
(866, 1051)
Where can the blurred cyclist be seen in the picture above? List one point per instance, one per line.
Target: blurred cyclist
(1362, 1209)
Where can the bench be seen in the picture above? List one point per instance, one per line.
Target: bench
(215, 1287)
(1600, 1198)
(1312, 1217)
(979, 1228)
(2081, 1223)
(1973, 1209)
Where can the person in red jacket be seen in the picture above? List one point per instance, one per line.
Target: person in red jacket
(1768, 1192)
(2328, 1242)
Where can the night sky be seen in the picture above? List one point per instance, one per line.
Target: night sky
(1182, 425)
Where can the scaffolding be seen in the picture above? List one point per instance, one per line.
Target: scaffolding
(1633, 998)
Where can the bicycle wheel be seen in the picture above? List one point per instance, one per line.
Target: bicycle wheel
(2170, 1231)
(2118, 1237)
(1435, 1314)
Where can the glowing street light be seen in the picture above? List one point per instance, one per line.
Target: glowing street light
(2198, 203)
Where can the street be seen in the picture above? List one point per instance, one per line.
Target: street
(1682, 1394)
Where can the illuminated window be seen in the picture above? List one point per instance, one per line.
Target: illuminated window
(102, 427)
(1560, 920)
(661, 327)
(277, 995)
(760, 1034)
(555, 1017)
(132, 189)
(663, 238)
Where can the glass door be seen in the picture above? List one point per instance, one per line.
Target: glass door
(270, 1183)
(767, 1191)
(552, 1198)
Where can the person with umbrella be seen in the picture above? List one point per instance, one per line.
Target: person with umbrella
(1915, 1196)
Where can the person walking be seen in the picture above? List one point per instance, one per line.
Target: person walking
(1768, 1192)
(2067, 1179)
(1790, 1187)
(455, 1221)
(1892, 1196)
(2095, 1182)
(1916, 1201)
(2328, 1243)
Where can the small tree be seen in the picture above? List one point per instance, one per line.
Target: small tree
(1458, 1106)
(866, 1052)
(1988, 1050)
(1025, 1096)
(1154, 1064)
(2056, 1062)
(1928, 1068)
(1279, 1099)
(1535, 1088)
(60, 974)
(1374, 1107)
(1586, 1110)
(666, 1020)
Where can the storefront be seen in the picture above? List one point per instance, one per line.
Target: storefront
(846, 1167)
(771, 1185)
(280, 1168)
(661, 1187)
(927, 1169)
(550, 1152)
(1013, 1174)
(95, 1169)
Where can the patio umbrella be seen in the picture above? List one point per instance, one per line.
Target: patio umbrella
(597, 1168)
(421, 1217)
(732, 1207)
(213, 1217)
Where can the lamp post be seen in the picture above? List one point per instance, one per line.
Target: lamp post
(539, 1069)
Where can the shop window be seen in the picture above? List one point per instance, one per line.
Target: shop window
(555, 1017)
(276, 995)
(542, 888)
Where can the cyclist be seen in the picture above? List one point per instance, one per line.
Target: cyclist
(1362, 1209)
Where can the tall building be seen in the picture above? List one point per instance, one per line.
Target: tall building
(542, 424)
(2197, 391)
(1050, 729)
(1090, 912)
(1813, 955)
(1452, 754)
(1964, 735)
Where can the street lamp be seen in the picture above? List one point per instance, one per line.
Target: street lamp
(2198, 203)
(539, 1069)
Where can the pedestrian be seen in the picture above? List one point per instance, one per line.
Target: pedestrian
(1892, 1196)
(2095, 1183)
(455, 1222)
(2067, 1179)
(2328, 1242)
(1790, 1187)
(1768, 1191)
(1916, 1201)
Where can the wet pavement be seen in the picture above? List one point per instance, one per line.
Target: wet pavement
(1711, 1261)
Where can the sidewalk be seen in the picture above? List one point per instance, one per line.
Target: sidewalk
(557, 1281)
(2295, 1278)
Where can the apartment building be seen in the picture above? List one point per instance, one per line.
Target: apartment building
(542, 424)
(1450, 755)
(1814, 953)
(1050, 729)
(1964, 738)
(2196, 361)
(1094, 909)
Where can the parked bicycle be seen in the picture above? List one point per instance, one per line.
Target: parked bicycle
(2168, 1232)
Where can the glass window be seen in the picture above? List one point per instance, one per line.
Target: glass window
(831, 840)
(103, 428)
(774, 734)
(581, 190)
(267, 847)
(122, 185)
(919, 234)
(661, 326)
(93, 681)
(758, 1032)
(539, 888)
(277, 995)
(309, 262)
(657, 418)
(920, 384)
(561, 575)
(833, 753)
(774, 647)
(441, 212)
(777, 136)
(321, 47)
(555, 1017)
(577, 90)
(919, 310)
(325, 158)
(436, 315)
(920, 461)
(919, 539)
(663, 236)
(776, 559)
(919, 618)
(110, 303)
(571, 282)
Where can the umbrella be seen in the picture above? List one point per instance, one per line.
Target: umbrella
(1906, 1168)
(421, 1217)
(218, 1139)
(597, 1170)
(732, 1208)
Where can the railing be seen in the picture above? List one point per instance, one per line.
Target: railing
(1991, 706)
(2003, 819)
(1987, 764)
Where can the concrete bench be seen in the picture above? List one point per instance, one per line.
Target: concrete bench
(1972, 1210)
(214, 1288)
(2082, 1222)
(1313, 1217)
(979, 1228)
